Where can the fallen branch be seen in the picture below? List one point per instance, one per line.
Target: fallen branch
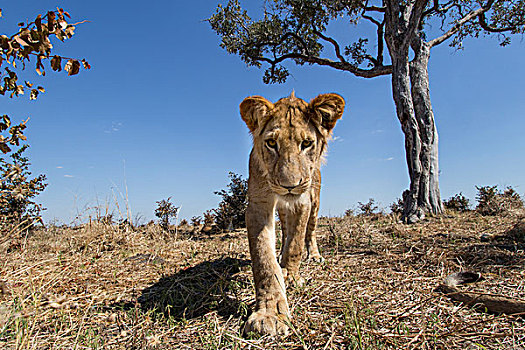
(487, 302)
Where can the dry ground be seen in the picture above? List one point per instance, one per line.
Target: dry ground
(110, 287)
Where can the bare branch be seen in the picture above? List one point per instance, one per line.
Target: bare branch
(468, 17)
(371, 19)
(337, 49)
(378, 61)
(437, 8)
(380, 43)
(373, 8)
(434, 8)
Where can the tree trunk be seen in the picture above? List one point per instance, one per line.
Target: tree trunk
(411, 95)
(429, 197)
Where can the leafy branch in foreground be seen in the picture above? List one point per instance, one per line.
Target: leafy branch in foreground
(32, 41)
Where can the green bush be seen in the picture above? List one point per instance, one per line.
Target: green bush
(17, 190)
(232, 209)
(165, 212)
(458, 203)
(367, 208)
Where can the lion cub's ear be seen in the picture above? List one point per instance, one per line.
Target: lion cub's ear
(254, 110)
(326, 109)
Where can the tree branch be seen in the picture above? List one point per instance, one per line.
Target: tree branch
(415, 18)
(434, 8)
(391, 11)
(378, 61)
(337, 49)
(469, 16)
(344, 66)
(373, 8)
(371, 19)
(274, 44)
(483, 23)
(380, 43)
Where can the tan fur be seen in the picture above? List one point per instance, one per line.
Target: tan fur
(289, 139)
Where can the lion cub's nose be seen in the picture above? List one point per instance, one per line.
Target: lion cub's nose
(290, 188)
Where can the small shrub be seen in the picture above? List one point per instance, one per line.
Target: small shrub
(232, 209)
(492, 201)
(397, 206)
(183, 222)
(165, 212)
(106, 219)
(196, 220)
(367, 208)
(458, 202)
(209, 218)
(349, 212)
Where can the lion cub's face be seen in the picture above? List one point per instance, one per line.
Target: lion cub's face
(290, 137)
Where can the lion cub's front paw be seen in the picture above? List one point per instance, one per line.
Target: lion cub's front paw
(266, 323)
(294, 280)
(317, 258)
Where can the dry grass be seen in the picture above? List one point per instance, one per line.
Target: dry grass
(105, 287)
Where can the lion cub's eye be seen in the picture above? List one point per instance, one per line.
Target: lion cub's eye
(306, 143)
(271, 143)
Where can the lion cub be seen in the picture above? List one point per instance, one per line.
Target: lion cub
(289, 139)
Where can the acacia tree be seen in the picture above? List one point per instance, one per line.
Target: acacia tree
(296, 30)
(30, 42)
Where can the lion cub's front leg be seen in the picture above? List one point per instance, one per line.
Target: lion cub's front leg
(293, 246)
(271, 307)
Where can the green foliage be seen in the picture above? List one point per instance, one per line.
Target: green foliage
(367, 208)
(166, 211)
(295, 30)
(17, 190)
(458, 203)
(274, 35)
(232, 209)
(492, 201)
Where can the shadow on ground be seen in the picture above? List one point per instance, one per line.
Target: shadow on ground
(505, 249)
(198, 290)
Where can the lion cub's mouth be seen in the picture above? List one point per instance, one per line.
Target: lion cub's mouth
(291, 191)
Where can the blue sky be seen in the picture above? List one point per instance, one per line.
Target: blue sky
(158, 115)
